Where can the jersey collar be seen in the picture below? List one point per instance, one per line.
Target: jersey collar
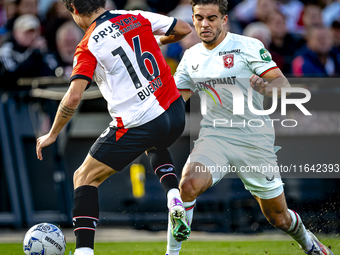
(217, 48)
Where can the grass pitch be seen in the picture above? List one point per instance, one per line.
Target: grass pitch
(189, 248)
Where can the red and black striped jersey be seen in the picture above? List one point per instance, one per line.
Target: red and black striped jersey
(119, 50)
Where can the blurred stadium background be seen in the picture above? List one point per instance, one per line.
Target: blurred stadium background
(304, 39)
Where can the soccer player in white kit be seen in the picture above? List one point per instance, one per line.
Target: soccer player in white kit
(148, 113)
(222, 65)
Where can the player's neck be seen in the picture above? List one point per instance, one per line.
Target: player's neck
(212, 46)
(88, 20)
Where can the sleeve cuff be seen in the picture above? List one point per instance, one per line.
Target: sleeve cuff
(186, 90)
(263, 73)
(79, 76)
(171, 27)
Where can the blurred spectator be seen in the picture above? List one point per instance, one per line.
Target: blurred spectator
(260, 31)
(67, 38)
(264, 8)
(282, 42)
(137, 5)
(311, 16)
(331, 13)
(23, 54)
(252, 10)
(183, 11)
(245, 11)
(3, 18)
(55, 17)
(11, 9)
(335, 29)
(292, 10)
(317, 59)
(22, 7)
(110, 5)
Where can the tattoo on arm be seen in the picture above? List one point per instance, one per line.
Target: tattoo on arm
(66, 111)
(173, 32)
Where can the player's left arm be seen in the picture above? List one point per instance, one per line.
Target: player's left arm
(265, 84)
(66, 110)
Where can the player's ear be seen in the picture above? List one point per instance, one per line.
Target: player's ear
(225, 19)
(192, 16)
(75, 11)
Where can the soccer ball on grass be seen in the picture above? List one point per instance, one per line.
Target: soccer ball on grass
(44, 239)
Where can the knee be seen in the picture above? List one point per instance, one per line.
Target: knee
(83, 176)
(79, 177)
(279, 220)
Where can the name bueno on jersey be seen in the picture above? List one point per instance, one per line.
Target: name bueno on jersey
(119, 49)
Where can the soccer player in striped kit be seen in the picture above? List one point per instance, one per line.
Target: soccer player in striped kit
(120, 51)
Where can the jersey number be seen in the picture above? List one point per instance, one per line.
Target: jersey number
(141, 57)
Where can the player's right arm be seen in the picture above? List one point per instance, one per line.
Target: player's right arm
(66, 110)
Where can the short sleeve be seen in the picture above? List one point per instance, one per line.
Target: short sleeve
(84, 64)
(161, 24)
(259, 58)
(182, 77)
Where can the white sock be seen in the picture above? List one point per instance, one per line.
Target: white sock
(173, 193)
(84, 251)
(298, 232)
(173, 246)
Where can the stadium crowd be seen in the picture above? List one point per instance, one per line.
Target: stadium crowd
(38, 38)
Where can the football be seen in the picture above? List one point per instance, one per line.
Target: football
(44, 239)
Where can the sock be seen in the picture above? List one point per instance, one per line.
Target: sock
(161, 162)
(173, 193)
(298, 232)
(173, 246)
(85, 215)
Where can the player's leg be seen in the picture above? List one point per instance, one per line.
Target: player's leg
(112, 151)
(276, 211)
(192, 184)
(162, 164)
(171, 123)
(196, 178)
(86, 209)
(173, 119)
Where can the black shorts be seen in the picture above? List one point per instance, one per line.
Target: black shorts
(160, 133)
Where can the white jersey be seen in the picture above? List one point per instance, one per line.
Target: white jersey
(120, 51)
(215, 73)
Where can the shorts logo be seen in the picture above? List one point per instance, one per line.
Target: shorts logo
(105, 132)
(270, 179)
(228, 60)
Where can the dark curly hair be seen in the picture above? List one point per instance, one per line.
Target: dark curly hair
(85, 7)
(222, 4)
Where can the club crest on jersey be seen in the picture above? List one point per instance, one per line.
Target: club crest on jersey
(228, 60)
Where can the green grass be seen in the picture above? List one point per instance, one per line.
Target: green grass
(196, 248)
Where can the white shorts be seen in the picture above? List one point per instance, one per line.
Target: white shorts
(257, 168)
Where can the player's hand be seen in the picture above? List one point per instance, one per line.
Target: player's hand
(258, 84)
(42, 142)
